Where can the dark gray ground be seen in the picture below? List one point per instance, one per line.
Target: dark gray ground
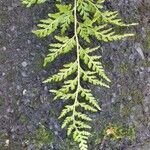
(26, 105)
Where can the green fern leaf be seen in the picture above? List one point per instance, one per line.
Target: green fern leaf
(69, 85)
(91, 78)
(63, 19)
(107, 35)
(82, 116)
(28, 3)
(64, 46)
(87, 107)
(89, 20)
(85, 93)
(66, 110)
(93, 64)
(63, 73)
(111, 17)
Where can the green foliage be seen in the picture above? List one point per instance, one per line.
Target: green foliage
(61, 19)
(65, 45)
(89, 20)
(28, 3)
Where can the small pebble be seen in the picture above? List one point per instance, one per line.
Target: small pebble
(3, 74)
(24, 74)
(24, 92)
(7, 143)
(24, 64)
(4, 48)
(28, 41)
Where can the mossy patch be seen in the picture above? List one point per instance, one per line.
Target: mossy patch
(23, 119)
(118, 132)
(109, 65)
(3, 17)
(3, 57)
(125, 111)
(3, 138)
(10, 76)
(2, 101)
(37, 64)
(68, 144)
(146, 63)
(147, 41)
(137, 97)
(112, 133)
(124, 68)
(40, 137)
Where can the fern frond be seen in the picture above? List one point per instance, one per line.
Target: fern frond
(66, 110)
(111, 17)
(63, 73)
(82, 125)
(106, 35)
(63, 19)
(82, 116)
(93, 63)
(83, 8)
(87, 94)
(69, 85)
(64, 46)
(59, 94)
(91, 78)
(93, 22)
(28, 3)
(81, 137)
(87, 107)
(84, 30)
(67, 121)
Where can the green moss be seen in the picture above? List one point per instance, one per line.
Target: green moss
(41, 136)
(137, 97)
(2, 100)
(126, 111)
(23, 119)
(37, 64)
(3, 138)
(10, 76)
(118, 132)
(96, 139)
(113, 133)
(3, 57)
(146, 63)
(3, 17)
(35, 91)
(35, 104)
(68, 145)
(124, 68)
(109, 65)
(147, 41)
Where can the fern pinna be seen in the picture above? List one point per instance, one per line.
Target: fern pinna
(89, 20)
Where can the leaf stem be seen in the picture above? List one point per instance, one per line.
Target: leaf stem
(78, 58)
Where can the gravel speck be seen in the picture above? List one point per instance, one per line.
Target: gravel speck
(24, 63)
